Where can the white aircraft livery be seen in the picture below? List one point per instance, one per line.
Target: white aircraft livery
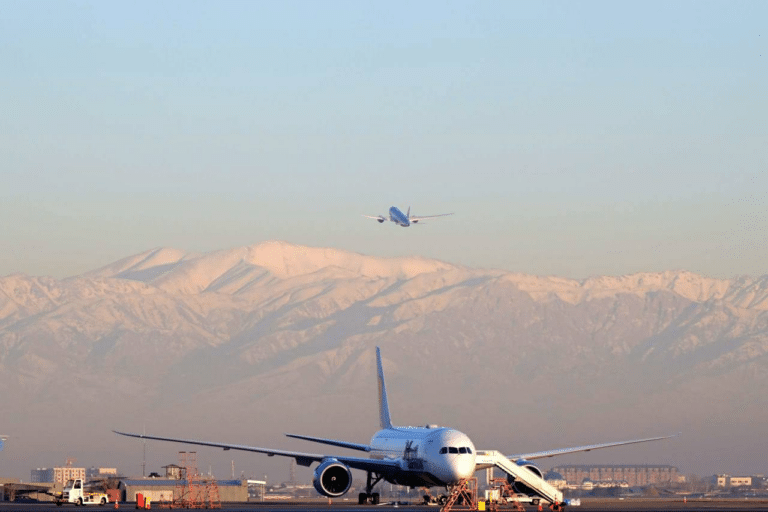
(428, 456)
(403, 219)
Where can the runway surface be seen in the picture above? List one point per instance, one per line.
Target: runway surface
(648, 505)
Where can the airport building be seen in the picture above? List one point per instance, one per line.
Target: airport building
(633, 475)
(61, 475)
(735, 481)
(92, 473)
(3, 483)
(159, 490)
(56, 475)
(41, 475)
(172, 471)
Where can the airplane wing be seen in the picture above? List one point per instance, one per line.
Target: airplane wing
(415, 218)
(587, 448)
(379, 218)
(302, 459)
(333, 442)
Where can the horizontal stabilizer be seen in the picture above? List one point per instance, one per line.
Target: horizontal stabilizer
(333, 442)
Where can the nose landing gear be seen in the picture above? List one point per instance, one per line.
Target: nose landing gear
(464, 493)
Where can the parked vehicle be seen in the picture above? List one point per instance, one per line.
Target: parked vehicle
(74, 492)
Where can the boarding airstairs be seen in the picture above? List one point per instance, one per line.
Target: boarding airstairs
(521, 474)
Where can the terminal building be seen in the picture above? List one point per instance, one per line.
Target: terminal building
(633, 475)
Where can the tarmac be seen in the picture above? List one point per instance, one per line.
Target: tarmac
(588, 505)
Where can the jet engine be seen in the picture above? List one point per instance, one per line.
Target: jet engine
(519, 487)
(332, 478)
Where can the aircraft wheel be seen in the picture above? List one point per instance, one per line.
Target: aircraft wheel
(535, 503)
(362, 498)
(375, 498)
(442, 500)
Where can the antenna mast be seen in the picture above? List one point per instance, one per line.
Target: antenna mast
(144, 454)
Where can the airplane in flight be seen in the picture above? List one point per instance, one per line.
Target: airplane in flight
(403, 219)
(429, 456)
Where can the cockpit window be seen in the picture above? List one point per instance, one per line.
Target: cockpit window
(453, 449)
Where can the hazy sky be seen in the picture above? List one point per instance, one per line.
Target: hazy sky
(570, 138)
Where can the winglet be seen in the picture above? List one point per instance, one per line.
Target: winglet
(386, 422)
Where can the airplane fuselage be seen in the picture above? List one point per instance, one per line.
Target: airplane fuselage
(398, 217)
(427, 456)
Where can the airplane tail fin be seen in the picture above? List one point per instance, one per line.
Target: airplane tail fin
(409, 213)
(386, 422)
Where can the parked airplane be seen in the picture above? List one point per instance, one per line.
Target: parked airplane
(428, 456)
(403, 219)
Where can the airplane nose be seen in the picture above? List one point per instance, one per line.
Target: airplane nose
(466, 467)
(462, 468)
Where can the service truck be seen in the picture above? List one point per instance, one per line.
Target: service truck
(74, 492)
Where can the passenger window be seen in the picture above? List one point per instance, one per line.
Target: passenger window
(462, 450)
(443, 450)
(453, 449)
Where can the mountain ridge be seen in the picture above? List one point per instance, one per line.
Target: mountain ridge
(287, 328)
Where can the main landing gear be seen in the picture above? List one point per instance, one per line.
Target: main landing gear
(369, 496)
(365, 497)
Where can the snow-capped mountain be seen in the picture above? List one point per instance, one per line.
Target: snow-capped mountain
(246, 343)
